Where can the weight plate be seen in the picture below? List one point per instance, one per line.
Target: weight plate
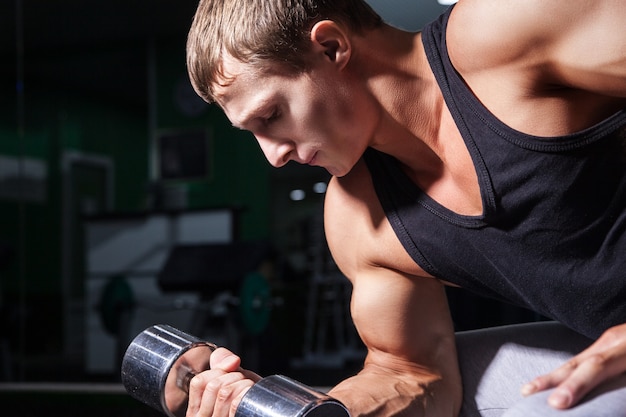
(117, 297)
(255, 303)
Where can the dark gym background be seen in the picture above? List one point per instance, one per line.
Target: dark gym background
(98, 125)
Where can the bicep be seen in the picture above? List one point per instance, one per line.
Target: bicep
(403, 319)
(411, 366)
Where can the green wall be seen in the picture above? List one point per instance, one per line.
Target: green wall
(55, 121)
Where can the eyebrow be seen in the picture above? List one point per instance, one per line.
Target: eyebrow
(255, 112)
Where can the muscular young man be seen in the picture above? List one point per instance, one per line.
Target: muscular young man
(486, 151)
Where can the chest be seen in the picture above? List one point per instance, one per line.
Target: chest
(453, 179)
(450, 178)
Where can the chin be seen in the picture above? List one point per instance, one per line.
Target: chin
(337, 172)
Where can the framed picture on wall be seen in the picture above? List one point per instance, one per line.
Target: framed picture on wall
(184, 155)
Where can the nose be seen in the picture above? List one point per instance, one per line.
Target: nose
(277, 152)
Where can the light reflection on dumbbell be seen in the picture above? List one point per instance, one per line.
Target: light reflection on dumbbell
(188, 365)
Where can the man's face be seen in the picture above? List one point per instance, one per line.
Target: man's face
(312, 118)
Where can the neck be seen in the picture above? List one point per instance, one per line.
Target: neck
(394, 66)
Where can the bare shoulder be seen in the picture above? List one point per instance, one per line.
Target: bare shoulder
(492, 33)
(545, 68)
(357, 230)
(352, 218)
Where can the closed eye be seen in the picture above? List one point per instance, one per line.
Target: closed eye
(272, 117)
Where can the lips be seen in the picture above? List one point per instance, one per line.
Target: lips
(311, 160)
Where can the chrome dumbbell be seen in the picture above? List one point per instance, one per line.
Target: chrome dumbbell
(161, 360)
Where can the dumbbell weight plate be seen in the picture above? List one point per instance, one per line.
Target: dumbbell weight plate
(158, 365)
(255, 300)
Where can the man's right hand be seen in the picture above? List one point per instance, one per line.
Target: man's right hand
(218, 391)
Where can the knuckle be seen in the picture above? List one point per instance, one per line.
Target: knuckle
(541, 381)
(570, 365)
(233, 408)
(196, 383)
(224, 393)
(596, 361)
(576, 389)
(213, 386)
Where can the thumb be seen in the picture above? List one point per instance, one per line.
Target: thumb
(225, 360)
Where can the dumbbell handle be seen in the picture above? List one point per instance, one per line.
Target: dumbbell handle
(160, 362)
(277, 395)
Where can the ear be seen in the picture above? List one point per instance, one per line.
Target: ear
(331, 40)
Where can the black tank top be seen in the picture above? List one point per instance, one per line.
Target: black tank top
(552, 234)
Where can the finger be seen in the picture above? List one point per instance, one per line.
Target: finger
(551, 379)
(229, 397)
(219, 395)
(589, 374)
(607, 348)
(244, 386)
(251, 375)
(197, 387)
(224, 359)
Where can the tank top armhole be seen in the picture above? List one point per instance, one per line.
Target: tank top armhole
(377, 169)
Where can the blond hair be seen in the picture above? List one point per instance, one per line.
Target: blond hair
(260, 32)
